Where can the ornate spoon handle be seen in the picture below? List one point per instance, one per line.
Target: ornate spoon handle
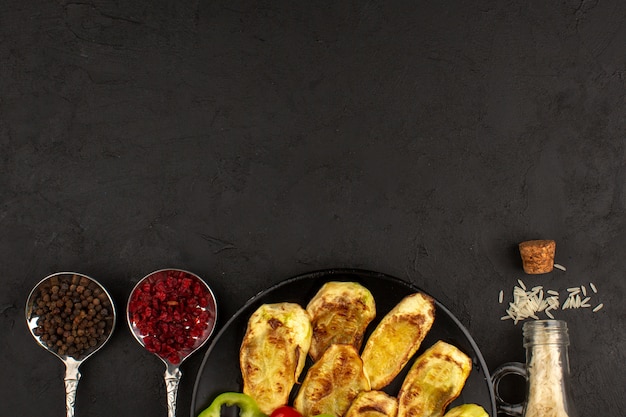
(172, 379)
(72, 376)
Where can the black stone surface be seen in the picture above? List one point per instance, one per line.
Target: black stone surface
(252, 141)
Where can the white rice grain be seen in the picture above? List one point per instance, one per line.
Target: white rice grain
(553, 302)
(559, 266)
(545, 365)
(567, 303)
(578, 301)
(529, 302)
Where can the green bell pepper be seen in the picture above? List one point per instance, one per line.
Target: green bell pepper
(246, 404)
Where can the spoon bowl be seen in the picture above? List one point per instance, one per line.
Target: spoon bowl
(72, 316)
(172, 313)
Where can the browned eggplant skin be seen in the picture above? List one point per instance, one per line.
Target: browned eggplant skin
(435, 380)
(332, 383)
(397, 337)
(340, 313)
(373, 404)
(273, 353)
(467, 410)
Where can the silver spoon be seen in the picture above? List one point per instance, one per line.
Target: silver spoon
(169, 300)
(41, 310)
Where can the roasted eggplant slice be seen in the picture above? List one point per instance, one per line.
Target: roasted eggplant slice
(332, 383)
(396, 338)
(467, 410)
(435, 379)
(273, 353)
(373, 404)
(340, 313)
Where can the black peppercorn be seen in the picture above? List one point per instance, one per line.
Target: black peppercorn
(70, 320)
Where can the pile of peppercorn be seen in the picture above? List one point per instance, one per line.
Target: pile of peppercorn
(74, 315)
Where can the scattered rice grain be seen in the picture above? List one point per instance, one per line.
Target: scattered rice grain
(567, 303)
(553, 302)
(527, 303)
(559, 266)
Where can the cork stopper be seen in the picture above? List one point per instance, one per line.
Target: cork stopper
(537, 256)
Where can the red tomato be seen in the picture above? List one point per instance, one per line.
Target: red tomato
(285, 411)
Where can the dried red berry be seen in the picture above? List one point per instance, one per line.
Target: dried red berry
(172, 312)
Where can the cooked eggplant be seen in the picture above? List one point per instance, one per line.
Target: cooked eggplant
(340, 313)
(332, 383)
(396, 338)
(467, 410)
(373, 404)
(435, 379)
(273, 353)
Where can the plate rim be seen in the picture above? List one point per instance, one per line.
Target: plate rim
(344, 271)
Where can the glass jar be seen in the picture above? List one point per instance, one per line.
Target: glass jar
(546, 371)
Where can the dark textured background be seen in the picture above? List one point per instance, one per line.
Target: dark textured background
(252, 141)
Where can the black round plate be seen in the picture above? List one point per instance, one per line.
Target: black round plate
(220, 372)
